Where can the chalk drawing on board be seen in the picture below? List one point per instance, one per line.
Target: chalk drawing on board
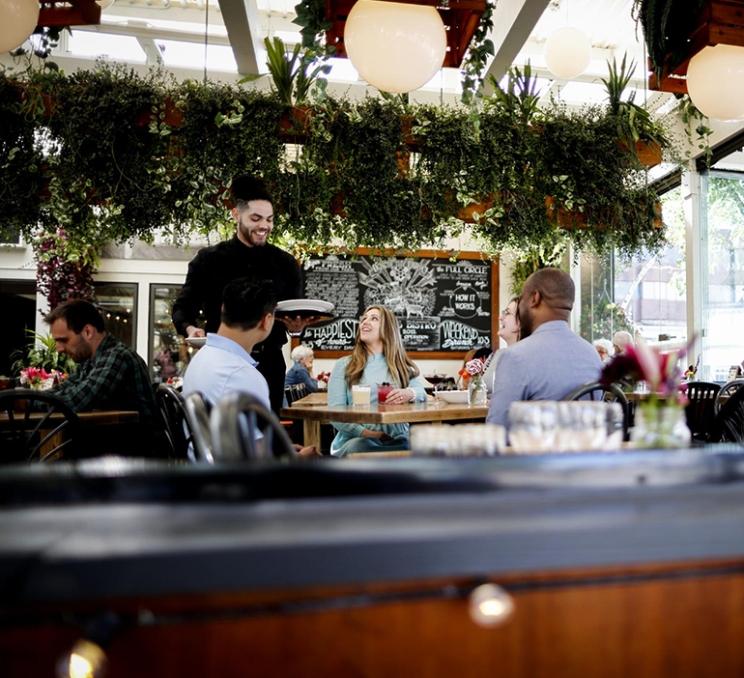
(406, 286)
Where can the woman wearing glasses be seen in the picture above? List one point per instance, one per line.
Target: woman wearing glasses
(509, 332)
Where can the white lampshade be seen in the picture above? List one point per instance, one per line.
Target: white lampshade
(567, 52)
(19, 20)
(714, 81)
(394, 46)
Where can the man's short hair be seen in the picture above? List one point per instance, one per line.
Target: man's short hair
(555, 286)
(245, 188)
(77, 313)
(245, 301)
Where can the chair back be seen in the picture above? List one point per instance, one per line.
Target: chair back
(235, 422)
(727, 390)
(177, 428)
(610, 393)
(197, 415)
(295, 392)
(728, 425)
(701, 408)
(37, 426)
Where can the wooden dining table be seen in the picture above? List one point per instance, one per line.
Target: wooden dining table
(314, 410)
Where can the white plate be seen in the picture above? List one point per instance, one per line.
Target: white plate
(317, 305)
(453, 397)
(196, 342)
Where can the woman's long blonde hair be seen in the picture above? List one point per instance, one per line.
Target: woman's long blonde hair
(402, 369)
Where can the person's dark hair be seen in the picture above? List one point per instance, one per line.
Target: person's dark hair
(245, 301)
(245, 188)
(482, 353)
(77, 313)
(555, 286)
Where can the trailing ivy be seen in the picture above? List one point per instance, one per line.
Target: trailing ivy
(117, 155)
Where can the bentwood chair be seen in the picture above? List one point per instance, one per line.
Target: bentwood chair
(197, 415)
(295, 392)
(728, 425)
(36, 426)
(727, 390)
(610, 393)
(700, 409)
(177, 427)
(236, 422)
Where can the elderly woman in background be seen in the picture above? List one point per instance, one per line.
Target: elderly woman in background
(378, 357)
(509, 332)
(604, 348)
(301, 370)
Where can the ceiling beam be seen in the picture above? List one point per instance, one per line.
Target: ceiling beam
(243, 25)
(512, 24)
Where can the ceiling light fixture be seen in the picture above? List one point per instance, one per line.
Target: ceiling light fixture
(394, 46)
(713, 78)
(568, 52)
(20, 17)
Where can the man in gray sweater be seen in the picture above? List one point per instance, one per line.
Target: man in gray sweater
(550, 360)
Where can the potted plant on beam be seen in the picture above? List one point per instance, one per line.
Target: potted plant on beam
(635, 128)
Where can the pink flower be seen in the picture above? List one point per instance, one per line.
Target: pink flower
(473, 367)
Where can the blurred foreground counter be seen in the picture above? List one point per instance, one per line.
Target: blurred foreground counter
(616, 564)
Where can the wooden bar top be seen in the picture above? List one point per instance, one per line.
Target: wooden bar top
(386, 414)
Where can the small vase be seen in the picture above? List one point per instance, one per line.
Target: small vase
(477, 391)
(660, 424)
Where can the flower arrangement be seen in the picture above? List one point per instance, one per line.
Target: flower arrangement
(660, 417)
(643, 363)
(472, 370)
(38, 378)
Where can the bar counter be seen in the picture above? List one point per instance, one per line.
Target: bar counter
(329, 544)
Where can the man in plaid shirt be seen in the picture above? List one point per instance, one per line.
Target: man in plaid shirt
(110, 375)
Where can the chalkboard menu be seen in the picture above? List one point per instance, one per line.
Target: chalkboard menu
(443, 306)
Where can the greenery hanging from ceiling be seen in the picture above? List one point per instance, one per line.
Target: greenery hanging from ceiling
(111, 155)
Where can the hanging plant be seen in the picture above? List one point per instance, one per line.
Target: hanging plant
(64, 266)
(481, 48)
(20, 163)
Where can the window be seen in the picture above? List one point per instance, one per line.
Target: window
(118, 303)
(169, 355)
(723, 274)
(646, 294)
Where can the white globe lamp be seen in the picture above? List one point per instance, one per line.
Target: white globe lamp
(395, 46)
(714, 78)
(20, 17)
(568, 52)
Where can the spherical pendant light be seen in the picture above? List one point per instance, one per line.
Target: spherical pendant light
(567, 52)
(714, 81)
(19, 20)
(395, 46)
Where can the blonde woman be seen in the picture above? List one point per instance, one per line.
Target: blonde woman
(378, 357)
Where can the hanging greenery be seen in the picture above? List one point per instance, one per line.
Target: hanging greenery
(119, 155)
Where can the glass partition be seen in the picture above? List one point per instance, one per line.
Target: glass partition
(645, 294)
(168, 354)
(723, 275)
(118, 303)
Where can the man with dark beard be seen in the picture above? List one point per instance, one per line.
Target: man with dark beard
(110, 375)
(247, 254)
(550, 360)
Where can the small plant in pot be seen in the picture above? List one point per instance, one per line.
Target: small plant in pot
(636, 130)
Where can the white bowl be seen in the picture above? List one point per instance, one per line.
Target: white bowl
(453, 397)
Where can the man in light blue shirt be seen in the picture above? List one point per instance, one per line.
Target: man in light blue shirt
(224, 365)
(550, 360)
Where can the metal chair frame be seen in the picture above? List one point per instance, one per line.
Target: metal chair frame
(727, 390)
(177, 427)
(700, 409)
(234, 423)
(197, 414)
(29, 436)
(728, 425)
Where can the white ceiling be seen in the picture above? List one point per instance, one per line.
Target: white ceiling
(172, 32)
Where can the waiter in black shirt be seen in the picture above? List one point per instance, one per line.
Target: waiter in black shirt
(248, 253)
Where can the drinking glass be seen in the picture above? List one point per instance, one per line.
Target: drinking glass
(361, 394)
